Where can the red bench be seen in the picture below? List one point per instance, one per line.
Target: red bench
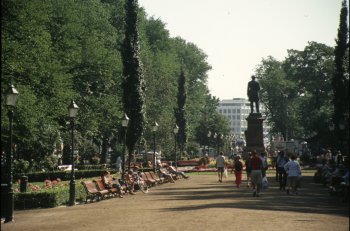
(92, 192)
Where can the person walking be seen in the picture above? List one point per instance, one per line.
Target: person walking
(248, 168)
(282, 175)
(238, 167)
(293, 171)
(256, 176)
(264, 162)
(220, 165)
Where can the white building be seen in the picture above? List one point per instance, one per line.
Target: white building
(236, 110)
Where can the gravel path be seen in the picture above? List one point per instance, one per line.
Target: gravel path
(200, 203)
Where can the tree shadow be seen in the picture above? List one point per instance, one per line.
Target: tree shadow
(313, 198)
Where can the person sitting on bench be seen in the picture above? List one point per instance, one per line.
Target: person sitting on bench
(173, 170)
(111, 183)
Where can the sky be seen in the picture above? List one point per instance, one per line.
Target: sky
(237, 34)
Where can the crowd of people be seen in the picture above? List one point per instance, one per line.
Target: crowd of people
(287, 168)
(127, 184)
(334, 172)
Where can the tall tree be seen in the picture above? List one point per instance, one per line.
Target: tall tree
(133, 85)
(296, 87)
(340, 80)
(180, 112)
(276, 88)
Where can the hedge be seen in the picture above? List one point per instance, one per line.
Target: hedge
(63, 175)
(49, 198)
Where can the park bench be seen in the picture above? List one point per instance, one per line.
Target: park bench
(92, 193)
(150, 177)
(167, 175)
(155, 176)
(148, 182)
(112, 192)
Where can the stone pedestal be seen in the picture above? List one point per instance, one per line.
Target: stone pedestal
(254, 134)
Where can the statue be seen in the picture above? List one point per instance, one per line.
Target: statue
(253, 94)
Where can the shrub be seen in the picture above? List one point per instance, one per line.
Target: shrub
(20, 167)
(63, 175)
(305, 159)
(35, 200)
(48, 198)
(92, 166)
(203, 161)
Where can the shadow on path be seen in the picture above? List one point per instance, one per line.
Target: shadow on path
(312, 198)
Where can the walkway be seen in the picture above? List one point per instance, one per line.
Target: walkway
(200, 203)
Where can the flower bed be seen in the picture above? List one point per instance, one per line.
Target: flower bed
(187, 163)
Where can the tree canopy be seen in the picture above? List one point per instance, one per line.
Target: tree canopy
(55, 51)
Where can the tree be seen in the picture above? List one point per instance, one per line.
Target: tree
(297, 93)
(340, 80)
(277, 96)
(133, 84)
(30, 63)
(180, 112)
(54, 51)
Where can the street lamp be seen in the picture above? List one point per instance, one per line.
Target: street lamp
(154, 130)
(176, 130)
(11, 99)
(209, 134)
(125, 123)
(216, 141)
(72, 112)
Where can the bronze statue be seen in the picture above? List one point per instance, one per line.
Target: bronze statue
(253, 94)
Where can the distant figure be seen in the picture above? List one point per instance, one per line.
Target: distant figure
(256, 176)
(238, 167)
(220, 165)
(119, 164)
(253, 94)
(293, 171)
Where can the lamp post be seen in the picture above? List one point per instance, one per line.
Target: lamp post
(342, 137)
(176, 130)
(154, 130)
(232, 143)
(125, 123)
(217, 145)
(209, 135)
(72, 112)
(11, 99)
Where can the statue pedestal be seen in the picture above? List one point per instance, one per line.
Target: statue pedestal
(254, 134)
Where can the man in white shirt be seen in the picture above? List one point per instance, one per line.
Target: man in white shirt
(294, 172)
(220, 165)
